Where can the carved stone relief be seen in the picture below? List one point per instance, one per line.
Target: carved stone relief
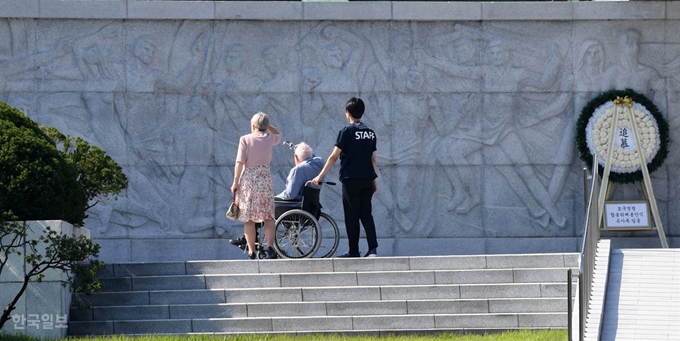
(475, 122)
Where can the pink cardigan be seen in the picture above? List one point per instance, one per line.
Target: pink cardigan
(255, 149)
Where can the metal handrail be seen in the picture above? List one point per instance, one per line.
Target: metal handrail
(591, 236)
(570, 306)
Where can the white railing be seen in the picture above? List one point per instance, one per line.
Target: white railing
(591, 236)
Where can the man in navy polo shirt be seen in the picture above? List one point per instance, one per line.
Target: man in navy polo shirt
(356, 148)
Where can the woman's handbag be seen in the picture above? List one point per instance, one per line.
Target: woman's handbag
(233, 211)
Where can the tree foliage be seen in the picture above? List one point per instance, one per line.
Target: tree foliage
(37, 182)
(46, 175)
(100, 176)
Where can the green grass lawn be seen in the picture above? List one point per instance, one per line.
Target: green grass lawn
(523, 335)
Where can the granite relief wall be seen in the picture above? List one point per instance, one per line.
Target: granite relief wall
(475, 119)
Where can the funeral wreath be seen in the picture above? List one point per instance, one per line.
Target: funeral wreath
(594, 129)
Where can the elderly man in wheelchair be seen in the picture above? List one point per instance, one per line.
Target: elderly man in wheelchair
(295, 206)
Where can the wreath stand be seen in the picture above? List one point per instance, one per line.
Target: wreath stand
(621, 105)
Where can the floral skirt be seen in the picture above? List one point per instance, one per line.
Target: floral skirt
(256, 195)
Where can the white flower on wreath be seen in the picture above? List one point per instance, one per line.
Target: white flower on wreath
(625, 158)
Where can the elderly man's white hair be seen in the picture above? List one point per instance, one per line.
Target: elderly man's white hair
(303, 151)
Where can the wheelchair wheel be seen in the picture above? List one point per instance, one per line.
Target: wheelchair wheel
(331, 236)
(297, 234)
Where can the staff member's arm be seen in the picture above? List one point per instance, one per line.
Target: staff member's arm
(330, 162)
(374, 159)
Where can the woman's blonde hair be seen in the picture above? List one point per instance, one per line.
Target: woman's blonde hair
(260, 121)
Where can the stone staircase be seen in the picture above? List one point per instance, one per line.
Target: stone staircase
(361, 295)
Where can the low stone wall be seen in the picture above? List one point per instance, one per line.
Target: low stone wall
(474, 105)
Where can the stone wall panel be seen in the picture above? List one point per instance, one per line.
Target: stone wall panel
(474, 106)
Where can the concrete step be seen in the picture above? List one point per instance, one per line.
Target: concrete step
(436, 322)
(267, 280)
(329, 308)
(322, 294)
(557, 260)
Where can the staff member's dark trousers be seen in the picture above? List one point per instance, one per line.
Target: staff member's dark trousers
(356, 202)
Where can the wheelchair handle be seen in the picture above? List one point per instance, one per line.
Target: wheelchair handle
(308, 183)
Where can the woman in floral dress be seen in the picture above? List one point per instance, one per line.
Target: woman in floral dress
(253, 187)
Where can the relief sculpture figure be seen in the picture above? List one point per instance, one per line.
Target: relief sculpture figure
(415, 179)
(669, 182)
(102, 92)
(502, 147)
(456, 153)
(313, 107)
(230, 92)
(17, 60)
(141, 73)
(230, 103)
(589, 74)
(342, 53)
(277, 98)
(276, 88)
(141, 205)
(152, 108)
(193, 200)
(631, 70)
(104, 102)
(461, 48)
(588, 83)
(280, 78)
(628, 72)
(16, 68)
(186, 151)
(384, 66)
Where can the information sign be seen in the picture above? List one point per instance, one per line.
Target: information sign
(627, 215)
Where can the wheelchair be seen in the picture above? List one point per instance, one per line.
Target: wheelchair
(303, 232)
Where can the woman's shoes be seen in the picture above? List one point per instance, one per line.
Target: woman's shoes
(271, 253)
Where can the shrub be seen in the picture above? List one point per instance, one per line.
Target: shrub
(46, 175)
(37, 181)
(100, 176)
